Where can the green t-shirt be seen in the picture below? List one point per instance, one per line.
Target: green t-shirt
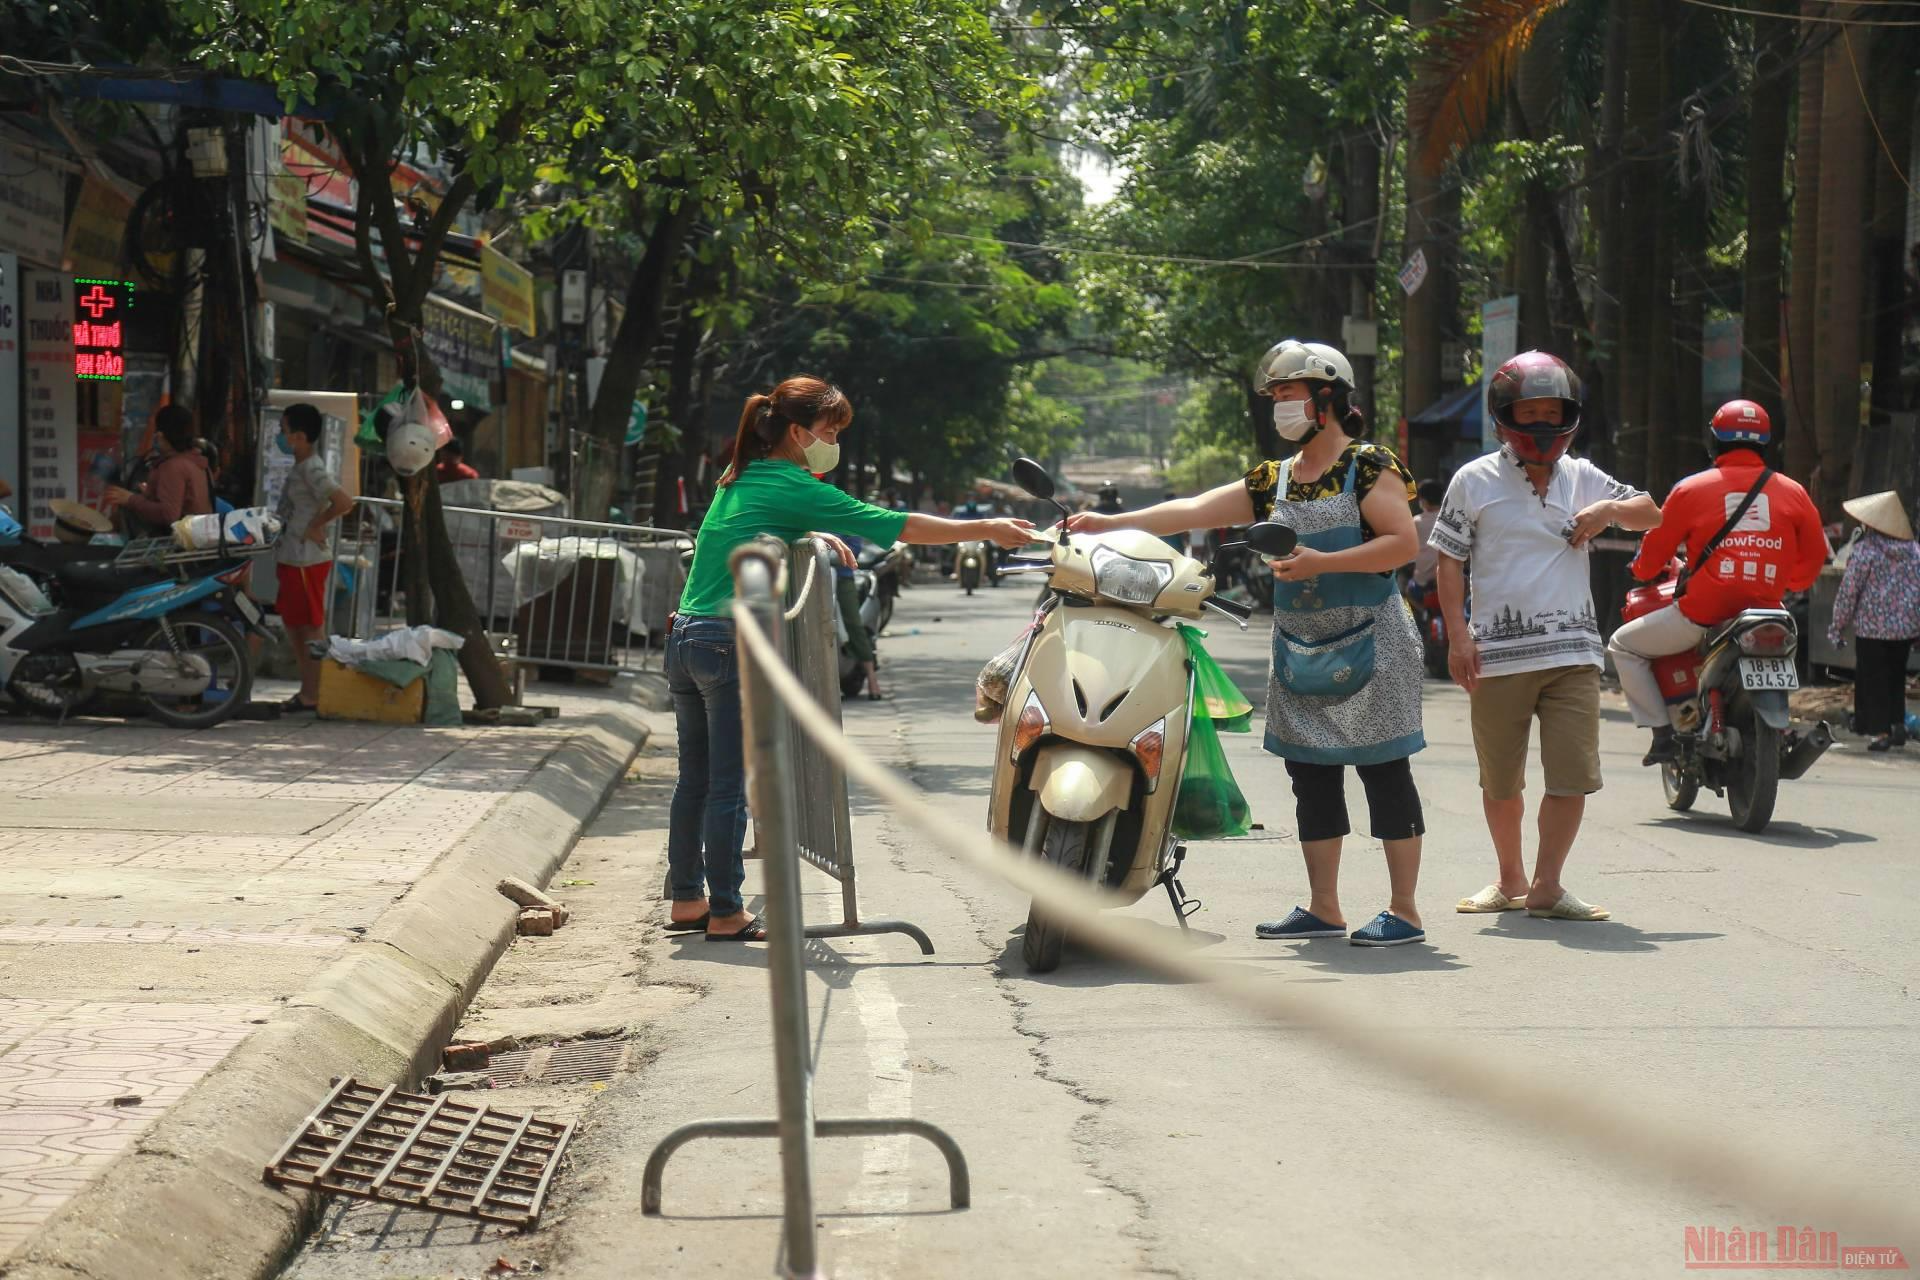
(783, 499)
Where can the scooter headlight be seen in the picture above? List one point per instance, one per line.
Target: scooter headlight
(1031, 726)
(1127, 580)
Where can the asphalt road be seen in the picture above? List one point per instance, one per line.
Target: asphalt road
(1120, 1124)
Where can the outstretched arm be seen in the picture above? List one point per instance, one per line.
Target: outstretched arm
(1228, 505)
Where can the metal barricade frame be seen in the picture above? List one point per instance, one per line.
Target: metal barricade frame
(775, 792)
(361, 536)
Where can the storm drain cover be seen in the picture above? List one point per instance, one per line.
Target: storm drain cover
(430, 1153)
(572, 1062)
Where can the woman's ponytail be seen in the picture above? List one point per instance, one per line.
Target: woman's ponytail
(801, 401)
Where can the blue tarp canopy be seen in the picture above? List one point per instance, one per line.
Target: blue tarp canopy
(1459, 410)
(214, 92)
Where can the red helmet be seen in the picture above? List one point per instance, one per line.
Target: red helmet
(1535, 375)
(1741, 422)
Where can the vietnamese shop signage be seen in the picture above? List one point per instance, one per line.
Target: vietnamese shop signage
(462, 345)
(99, 332)
(46, 299)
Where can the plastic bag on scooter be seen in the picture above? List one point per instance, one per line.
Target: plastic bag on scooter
(1211, 806)
(996, 678)
(1214, 692)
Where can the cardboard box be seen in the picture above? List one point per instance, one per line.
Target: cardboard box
(346, 694)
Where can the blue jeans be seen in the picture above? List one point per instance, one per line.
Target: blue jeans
(708, 821)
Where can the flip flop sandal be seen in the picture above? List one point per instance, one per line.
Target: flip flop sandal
(752, 931)
(1570, 908)
(688, 926)
(1490, 899)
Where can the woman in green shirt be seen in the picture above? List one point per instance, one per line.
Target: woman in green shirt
(786, 440)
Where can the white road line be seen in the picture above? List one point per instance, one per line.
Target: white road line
(869, 1244)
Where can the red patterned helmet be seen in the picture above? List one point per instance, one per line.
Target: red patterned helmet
(1741, 422)
(1535, 375)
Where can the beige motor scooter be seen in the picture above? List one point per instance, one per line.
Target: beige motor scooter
(1093, 742)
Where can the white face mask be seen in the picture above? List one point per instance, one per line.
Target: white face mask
(821, 456)
(1293, 419)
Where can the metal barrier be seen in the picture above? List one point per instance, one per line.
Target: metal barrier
(824, 831)
(553, 591)
(775, 789)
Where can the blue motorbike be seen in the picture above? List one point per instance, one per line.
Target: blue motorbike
(153, 624)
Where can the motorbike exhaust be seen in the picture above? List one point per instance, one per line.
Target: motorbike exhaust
(1804, 749)
(147, 671)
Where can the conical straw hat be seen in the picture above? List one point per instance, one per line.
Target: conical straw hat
(1883, 513)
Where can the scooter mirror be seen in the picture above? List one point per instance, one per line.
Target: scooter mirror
(1033, 477)
(1271, 539)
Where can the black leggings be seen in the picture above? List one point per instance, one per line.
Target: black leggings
(1320, 799)
(1880, 685)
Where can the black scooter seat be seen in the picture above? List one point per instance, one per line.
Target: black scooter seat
(105, 578)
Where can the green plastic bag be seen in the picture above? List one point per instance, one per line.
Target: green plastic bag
(1214, 692)
(1210, 806)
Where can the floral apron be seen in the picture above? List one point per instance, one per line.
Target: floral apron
(1345, 682)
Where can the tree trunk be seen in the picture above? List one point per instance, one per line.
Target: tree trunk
(1889, 460)
(1803, 446)
(1669, 408)
(1839, 302)
(1362, 213)
(1531, 105)
(1643, 189)
(428, 567)
(631, 348)
(1423, 312)
(1607, 340)
(1766, 218)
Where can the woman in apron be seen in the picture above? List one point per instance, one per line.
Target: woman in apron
(1344, 688)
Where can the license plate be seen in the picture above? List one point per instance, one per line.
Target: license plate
(248, 609)
(1768, 673)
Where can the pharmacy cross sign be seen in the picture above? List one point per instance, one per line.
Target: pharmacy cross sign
(98, 302)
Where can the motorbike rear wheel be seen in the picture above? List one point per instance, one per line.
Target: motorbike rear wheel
(1682, 788)
(214, 640)
(1755, 783)
(1068, 846)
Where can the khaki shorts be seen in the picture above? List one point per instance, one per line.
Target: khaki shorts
(1567, 700)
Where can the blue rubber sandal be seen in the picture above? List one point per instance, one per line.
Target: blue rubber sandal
(1300, 923)
(1386, 930)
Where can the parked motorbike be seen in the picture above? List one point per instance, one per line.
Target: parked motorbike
(156, 632)
(1090, 754)
(889, 567)
(853, 676)
(1728, 700)
(972, 563)
(1235, 565)
(1431, 622)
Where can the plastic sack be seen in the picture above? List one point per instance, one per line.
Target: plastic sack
(1211, 806)
(422, 408)
(245, 527)
(996, 678)
(1214, 692)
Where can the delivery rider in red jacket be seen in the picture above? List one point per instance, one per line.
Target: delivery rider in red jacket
(1777, 547)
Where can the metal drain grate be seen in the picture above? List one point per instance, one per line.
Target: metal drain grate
(572, 1062)
(431, 1153)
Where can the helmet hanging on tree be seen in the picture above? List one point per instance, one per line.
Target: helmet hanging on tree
(410, 447)
(1535, 375)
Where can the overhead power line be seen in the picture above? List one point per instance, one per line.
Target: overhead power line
(1805, 17)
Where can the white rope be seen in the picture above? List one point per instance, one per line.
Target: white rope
(806, 588)
(1659, 1146)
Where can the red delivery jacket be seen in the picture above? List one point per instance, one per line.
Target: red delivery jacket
(1777, 547)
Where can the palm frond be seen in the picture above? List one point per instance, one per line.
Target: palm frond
(1473, 55)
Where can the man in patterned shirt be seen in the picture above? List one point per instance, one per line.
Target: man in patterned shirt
(1524, 517)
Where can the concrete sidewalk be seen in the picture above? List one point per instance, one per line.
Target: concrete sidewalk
(169, 895)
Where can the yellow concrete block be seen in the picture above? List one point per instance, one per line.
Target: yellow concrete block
(346, 694)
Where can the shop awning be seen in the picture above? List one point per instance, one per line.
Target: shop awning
(1457, 411)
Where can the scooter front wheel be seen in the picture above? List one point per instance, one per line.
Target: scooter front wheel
(1068, 846)
(1682, 788)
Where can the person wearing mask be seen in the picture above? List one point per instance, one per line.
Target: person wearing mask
(786, 437)
(1344, 687)
(1524, 516)
(310, 500)
(181, 483)
(1775, 546)
(451, 463)
(1108, 502)
(1879, 600)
